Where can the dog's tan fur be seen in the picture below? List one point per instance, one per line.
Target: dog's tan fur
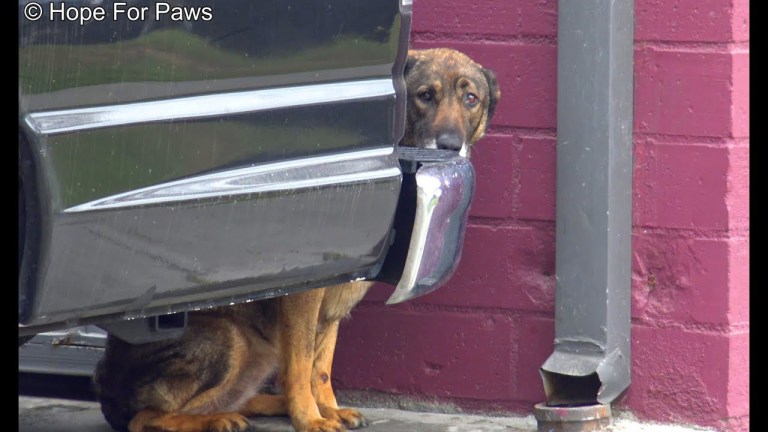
(209, 379)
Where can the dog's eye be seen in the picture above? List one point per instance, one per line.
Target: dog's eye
(425, 96)
(471, 99)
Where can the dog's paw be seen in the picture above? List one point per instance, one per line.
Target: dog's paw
(323, 425)
(351, 418)
(229, 422)
(224, 422)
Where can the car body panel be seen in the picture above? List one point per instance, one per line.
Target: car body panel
(180, 165)
(245, 45)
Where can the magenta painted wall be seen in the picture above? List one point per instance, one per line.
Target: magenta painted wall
(479, 341)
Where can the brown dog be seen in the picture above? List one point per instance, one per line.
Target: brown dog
(209, 379)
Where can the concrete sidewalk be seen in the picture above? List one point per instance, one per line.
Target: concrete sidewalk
(60, 415)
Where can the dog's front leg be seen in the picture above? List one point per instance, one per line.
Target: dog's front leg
(298, 317)
(321, 380)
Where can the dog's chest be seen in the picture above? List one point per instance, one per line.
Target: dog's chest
(248, 385)
(339, 300)
(261, 362)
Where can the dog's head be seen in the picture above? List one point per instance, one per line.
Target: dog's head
(451, 100)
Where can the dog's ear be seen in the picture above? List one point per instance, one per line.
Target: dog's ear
(493, 91)
(409, 62)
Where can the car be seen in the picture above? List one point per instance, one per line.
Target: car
(182, 155)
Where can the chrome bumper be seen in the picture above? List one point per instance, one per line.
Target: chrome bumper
(443, 192)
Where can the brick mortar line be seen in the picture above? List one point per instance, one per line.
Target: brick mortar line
(508, 222)
(466, 310)
(523, 132)
(707, 328)
(694, 145)
(682, 233)
(551, 40)
(509, 313)
(495, 38)
(516, 173)
(702, 47)
(704, 140)
(695, 234)
(671, 139)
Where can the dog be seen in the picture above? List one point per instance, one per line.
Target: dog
(209, 379)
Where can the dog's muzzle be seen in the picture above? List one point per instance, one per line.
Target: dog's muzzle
(450, 141)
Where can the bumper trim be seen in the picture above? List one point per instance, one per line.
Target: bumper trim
(444, 192)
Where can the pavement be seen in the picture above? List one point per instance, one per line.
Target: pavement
(38, 414)
(60, 415)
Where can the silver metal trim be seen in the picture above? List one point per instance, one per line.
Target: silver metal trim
(353, 167)
(443, 194)
(69, 352)
(63, 121)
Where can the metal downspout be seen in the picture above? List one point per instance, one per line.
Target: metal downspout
(590, 364)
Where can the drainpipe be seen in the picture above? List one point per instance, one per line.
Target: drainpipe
(590, 365)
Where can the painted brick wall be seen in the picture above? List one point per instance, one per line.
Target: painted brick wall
(479, 341)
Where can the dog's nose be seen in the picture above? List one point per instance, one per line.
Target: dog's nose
(449, 141)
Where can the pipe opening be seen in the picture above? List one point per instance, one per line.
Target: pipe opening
(569, 390)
